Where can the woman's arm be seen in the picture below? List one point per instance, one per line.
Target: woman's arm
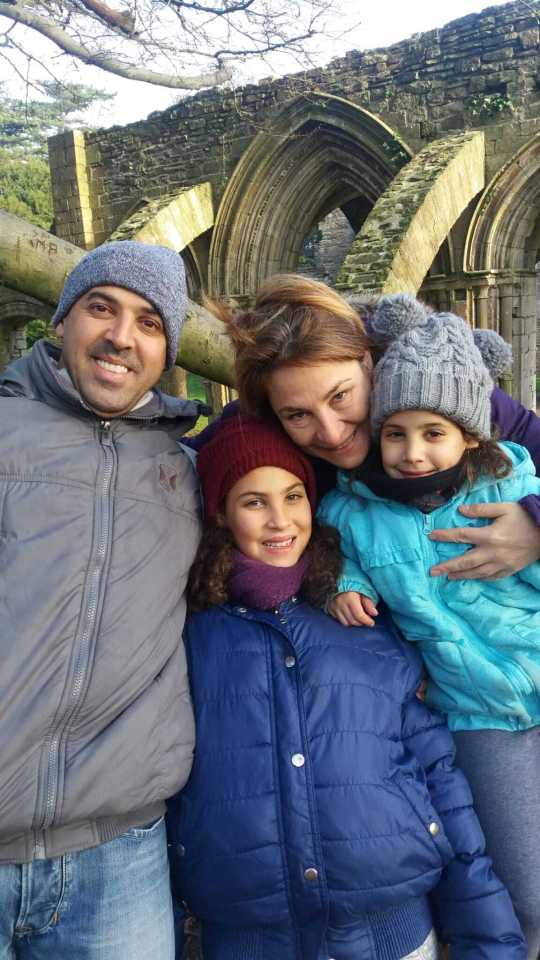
(515, 422)
(512, 541)
(506, 546)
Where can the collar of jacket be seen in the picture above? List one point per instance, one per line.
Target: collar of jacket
(37, 376)
(274, 617)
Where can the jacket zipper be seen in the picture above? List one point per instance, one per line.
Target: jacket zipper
(103, 524)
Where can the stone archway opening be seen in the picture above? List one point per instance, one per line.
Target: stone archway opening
(500, 258)
(320, 154)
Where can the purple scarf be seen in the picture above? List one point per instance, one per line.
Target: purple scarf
(262, 586)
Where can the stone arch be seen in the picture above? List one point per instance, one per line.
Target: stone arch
(182, 221)
(321, 152)
(503, 234)
(16, 311)
(173, 220)
(500, 255)
(403, 234)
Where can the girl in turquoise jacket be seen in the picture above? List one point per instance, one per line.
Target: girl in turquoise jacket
(480, 639)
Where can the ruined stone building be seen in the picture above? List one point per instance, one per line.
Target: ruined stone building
(415, 167)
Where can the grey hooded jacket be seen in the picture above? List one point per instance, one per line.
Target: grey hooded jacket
(99, 524)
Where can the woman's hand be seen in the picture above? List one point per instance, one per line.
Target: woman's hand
(353, 609)
(502, 548)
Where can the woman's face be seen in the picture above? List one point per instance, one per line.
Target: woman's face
(324, 409)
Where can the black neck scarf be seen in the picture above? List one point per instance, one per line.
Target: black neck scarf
(435, 489)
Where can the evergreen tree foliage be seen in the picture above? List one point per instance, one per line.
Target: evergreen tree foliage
(25, 125)
(25, 187)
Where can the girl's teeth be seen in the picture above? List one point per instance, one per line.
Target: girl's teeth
(113, 367)
(273, 545)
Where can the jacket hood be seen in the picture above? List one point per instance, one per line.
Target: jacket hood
(36, 377)
(521, 464)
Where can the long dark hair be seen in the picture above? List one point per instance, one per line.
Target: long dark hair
(485, 460)
(207, 584)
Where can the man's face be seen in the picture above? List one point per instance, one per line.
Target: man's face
(114, 348)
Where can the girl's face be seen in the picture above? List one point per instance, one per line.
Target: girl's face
(324, 408)
(416, 443)
(269, 516)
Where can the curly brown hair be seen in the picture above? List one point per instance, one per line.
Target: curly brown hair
(207, 584)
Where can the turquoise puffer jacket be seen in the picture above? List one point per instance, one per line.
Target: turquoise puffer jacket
(480, 640)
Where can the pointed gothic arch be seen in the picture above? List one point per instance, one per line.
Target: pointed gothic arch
(320, 152)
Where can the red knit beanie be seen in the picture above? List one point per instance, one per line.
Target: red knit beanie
(241, 444)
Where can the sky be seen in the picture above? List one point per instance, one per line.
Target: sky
(381, 23)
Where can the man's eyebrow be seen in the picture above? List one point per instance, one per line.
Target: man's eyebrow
(101, 295)
(333, 389)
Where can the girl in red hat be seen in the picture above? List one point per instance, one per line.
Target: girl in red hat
(324, 819)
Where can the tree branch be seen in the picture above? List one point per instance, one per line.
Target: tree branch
(217, 11)
(269, 48)
(121, 20)
(23, 15)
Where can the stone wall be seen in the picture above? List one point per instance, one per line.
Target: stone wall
(480, 71)
(12, 344)
(325, 248)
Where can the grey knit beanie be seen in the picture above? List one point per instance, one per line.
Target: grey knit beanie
(434, 361)
(155, 273)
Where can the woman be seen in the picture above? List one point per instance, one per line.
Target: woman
(303, 356)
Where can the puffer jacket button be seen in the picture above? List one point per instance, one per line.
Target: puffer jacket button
(311, 874)
(434, 828)
(242, 610)
(290, 661)
(298, 760)
(180, 850)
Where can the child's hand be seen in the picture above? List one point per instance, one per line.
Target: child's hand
(353, 609)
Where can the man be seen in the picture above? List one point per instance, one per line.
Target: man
(98, 528)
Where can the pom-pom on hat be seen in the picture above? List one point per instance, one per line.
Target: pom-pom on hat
(242, 444)
(434, 361)
(155, 273)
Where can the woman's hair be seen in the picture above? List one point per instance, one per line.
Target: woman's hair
(485, 460)
(293, 321)
(207, 584)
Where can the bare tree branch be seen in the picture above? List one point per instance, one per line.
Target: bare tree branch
(270, 47)
(218, 11)
(21, 14)
(121, 20)
(169, 43)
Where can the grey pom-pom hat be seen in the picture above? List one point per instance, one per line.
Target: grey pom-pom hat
(155, 273)
(434, 361)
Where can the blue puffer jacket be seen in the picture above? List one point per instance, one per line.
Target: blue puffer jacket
(323, 806)
(480, 640)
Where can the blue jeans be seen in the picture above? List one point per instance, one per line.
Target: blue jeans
(503, 769)
(111, 902)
